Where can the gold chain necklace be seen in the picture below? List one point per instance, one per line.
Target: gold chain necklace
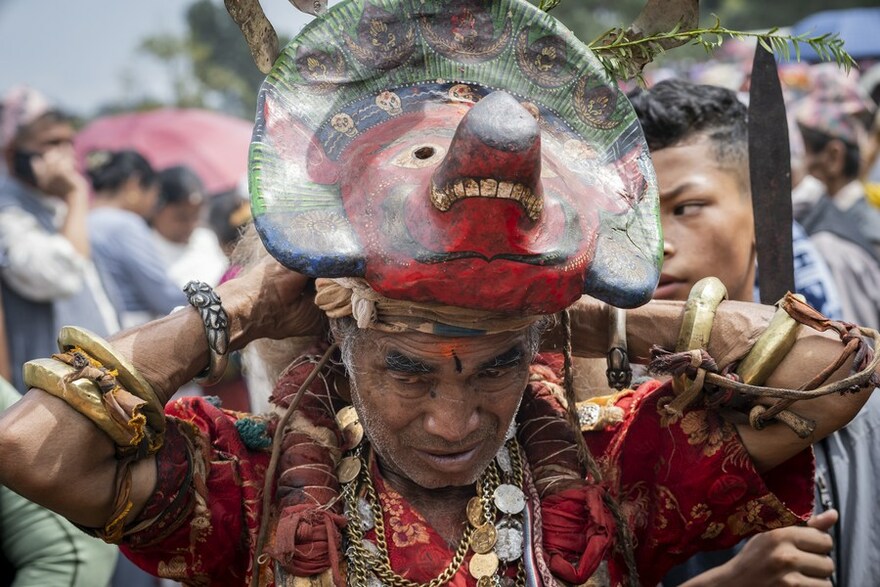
(366, 566)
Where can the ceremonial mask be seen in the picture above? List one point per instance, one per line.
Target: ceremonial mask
(394, 142)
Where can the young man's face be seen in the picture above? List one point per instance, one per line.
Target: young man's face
(708, 228)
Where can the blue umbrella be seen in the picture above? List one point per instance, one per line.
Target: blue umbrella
(858, 27)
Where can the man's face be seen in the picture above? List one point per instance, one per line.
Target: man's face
(44, 135)
(437, 408)
(825, 164)
(176, 222)
(708, 228)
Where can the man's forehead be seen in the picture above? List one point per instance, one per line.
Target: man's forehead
(432, 347)
(47, 129)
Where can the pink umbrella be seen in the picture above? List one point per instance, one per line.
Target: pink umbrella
(214, 145)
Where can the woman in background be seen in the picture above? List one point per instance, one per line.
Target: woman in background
(187, 249)
(126, 190)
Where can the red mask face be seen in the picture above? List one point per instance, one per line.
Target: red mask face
(498, 206)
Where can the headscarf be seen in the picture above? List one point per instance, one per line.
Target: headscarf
(21, 106)
(836, 105)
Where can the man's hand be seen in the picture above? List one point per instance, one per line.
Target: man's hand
(56, 174)
(797, 555)
(271, 302)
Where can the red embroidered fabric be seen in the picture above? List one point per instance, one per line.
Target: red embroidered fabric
(683, 486)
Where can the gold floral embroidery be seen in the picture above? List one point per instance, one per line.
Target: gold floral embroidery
(712, 531)
(635, 504)
(403, 534)
(669, 511)
(764, 513)
(700, 431)
(174, 568)
(701, 512)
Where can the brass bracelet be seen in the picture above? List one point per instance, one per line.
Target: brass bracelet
(83, 395)
(696, 328)
(100, 351)
(203, 298)
(770, 348)
(699, 314)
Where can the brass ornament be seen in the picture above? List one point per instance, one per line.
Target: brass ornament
(483, 565)
(346, 416)
(348, 469)
(475, 511)
(352, 435)
(483, 539)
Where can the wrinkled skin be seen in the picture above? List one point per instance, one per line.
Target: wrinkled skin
(437, 408)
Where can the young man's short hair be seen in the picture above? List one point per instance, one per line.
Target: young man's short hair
(677, 112)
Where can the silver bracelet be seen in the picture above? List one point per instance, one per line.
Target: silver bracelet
(202, 297)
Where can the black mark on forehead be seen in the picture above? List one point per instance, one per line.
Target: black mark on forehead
(397, 361)
(457, 362)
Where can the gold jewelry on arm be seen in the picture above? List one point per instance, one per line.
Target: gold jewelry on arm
(83, 395)
(770, 348)
(103, 354)
(723, 387)
(696, 328)
(92, 378)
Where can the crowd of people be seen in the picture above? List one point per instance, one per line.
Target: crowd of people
(108, 244)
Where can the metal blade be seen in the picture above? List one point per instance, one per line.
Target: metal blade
(770, 177)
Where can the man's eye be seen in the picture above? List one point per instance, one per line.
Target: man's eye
(405, 378)
(688, 209)
(492, 373)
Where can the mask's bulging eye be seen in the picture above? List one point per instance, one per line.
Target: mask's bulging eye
(424, 153)
(420, 156)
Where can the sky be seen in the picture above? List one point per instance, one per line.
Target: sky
(82, 53)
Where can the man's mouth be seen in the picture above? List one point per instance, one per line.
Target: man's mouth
(670, 288)
(446, 461)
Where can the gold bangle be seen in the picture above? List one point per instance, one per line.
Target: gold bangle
(770, 348)
(83, 395)
(699, 314)
(696, 328)
(102, 352)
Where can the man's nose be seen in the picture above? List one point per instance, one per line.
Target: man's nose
(668, 248)
(453, 414)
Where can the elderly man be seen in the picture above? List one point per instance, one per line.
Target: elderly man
(446, 219)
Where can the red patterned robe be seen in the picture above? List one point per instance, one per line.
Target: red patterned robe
(684, 486)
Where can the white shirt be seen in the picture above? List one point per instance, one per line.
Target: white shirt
(39, 265)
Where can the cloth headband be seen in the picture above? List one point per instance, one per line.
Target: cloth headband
(353, 297)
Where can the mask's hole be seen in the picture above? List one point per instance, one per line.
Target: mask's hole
(424, 152)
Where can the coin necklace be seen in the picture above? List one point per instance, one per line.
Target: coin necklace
(495, 545)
